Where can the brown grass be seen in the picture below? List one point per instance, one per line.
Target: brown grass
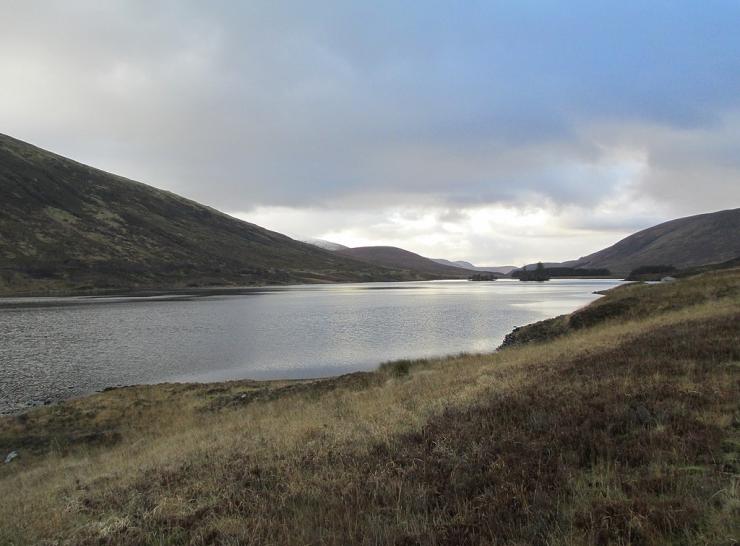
(620, 431)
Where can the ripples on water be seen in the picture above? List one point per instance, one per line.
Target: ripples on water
(56, 348)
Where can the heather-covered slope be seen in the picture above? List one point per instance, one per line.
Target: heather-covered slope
(685, 242)
(68, 227)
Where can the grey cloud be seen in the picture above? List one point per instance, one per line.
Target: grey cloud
(346, 105)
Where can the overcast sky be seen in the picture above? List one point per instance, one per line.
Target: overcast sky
(497, 132)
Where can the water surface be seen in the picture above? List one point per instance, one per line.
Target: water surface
(56, 348)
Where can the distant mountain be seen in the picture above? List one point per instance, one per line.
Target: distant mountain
(390, 256)
(326, 245)
(504, 269)
(686, 242)
(68, 227)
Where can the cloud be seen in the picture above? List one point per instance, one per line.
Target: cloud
(606, 115)
(492, 234)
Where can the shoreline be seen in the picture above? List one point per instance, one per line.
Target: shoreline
(199, 291)
(52, 398)
(248, 382)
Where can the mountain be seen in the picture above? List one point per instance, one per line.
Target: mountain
(689, 242)
(390, 256)
(326, 245)
(504, 269)
(65, 226)
(686, 242)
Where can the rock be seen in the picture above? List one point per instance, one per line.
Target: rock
(12, 455)
(643, 415)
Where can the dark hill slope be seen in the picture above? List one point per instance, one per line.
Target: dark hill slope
(66, 226)
(390, 256)
(685, 242)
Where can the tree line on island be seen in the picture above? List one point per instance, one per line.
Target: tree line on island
(661, 272)
(483, 277)
(542, 273)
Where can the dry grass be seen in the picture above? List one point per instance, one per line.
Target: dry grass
(620, 431)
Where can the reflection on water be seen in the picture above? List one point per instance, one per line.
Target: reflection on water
(55, 348)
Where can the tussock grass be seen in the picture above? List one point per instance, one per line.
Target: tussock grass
(620, 430)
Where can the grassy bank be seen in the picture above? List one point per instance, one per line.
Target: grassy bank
(619, 425)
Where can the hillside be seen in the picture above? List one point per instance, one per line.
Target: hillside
(686, 242)
(68, 227)
(619, 428)
(390, 256)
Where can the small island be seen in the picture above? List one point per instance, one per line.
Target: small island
(542, 273)
(538, 275)
(483, 277)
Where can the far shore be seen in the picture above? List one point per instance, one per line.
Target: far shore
(227, 290)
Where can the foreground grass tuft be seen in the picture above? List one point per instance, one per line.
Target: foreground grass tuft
(622, 428)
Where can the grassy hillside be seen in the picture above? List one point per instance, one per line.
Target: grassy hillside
(623, 429)
(393, 257)
(68, 227)
(682, 243)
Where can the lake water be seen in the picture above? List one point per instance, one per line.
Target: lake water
(56, 348)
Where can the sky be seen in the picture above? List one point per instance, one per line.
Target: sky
(498, 132)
